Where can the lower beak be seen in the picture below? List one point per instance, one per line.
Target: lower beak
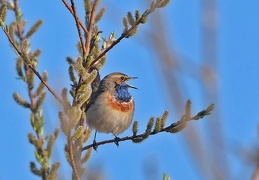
(131, 86)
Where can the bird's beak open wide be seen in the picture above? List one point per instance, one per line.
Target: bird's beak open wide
(131, 85)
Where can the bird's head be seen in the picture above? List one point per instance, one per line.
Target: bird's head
(117, 81)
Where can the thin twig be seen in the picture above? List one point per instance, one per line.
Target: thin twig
(45, 83)
(32, 97)
(33, 69)
(75, 156)
(72, 12)
(32, 106)
(70, 149)
(78, 28)
(90, 26)
(16, 11)
(123, 35)
(107, 49)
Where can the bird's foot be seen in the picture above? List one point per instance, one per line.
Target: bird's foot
(95, 146)
(116, 140)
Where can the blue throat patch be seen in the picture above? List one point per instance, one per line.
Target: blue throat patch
(122, 93)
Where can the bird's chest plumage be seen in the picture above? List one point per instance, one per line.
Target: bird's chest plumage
(119, 105)
(110, 114)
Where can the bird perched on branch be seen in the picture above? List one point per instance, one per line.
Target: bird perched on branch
(111, 106)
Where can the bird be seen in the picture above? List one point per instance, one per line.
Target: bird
(111, 107)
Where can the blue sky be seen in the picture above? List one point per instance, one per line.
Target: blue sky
(237, 74)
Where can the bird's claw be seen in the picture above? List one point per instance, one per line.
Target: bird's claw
(95, 146)
(116, 140)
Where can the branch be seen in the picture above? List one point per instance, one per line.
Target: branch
(123, 35)
(32, 67)
(71, 156)
(78, 28)
(173, 128)
(45, 83)
(27, 59)
(72, 12)
(90, 26)
(115, 140)
(17, 15)
(134, 25)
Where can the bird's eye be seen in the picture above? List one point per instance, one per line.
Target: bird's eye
(122, 78)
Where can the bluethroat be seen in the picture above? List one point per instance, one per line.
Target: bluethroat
(111, 106)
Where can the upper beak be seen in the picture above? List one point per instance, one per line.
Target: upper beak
(131, 85)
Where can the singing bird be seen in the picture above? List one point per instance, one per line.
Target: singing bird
(111, 107)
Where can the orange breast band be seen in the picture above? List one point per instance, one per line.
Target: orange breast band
(120, 106)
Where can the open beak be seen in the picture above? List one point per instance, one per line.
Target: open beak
(130, 78)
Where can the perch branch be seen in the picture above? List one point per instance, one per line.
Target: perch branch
(173, 128)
